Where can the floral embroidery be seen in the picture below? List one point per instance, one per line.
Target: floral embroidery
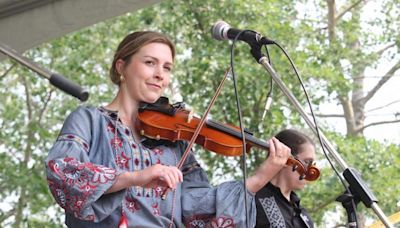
(116, 142)
(158, 191)
(103, 174)
(131, 204)
(110, 127)
(156, 209)
(74, 138)
(87, 188)
(58, 193)
(146, 157)
(209, 221)
(122, 161)
(223, 222)
(158, 151)
(70, 201)
(76, 182)
(74, 175)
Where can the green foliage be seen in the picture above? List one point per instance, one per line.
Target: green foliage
(377, 162)
(32, 111)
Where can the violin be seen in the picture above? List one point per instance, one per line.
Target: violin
(163, 121)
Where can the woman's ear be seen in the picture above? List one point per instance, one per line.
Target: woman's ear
(119, 66)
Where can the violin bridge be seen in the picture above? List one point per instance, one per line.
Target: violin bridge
(190, 116)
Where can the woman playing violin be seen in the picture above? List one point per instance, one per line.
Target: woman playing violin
(277, 204)
(104, 174)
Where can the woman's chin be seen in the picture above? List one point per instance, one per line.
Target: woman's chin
(151, 98)
(300, 186)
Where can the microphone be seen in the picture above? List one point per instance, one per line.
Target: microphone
(223, 31)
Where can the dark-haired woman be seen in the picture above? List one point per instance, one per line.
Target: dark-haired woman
(104, 174)
(277, 203)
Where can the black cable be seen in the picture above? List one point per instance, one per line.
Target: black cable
(240, 124)
(316, 126)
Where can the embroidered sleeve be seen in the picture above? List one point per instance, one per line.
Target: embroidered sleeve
(77, 184)
(207, 206)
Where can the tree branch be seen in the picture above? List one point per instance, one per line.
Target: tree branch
(347, 9)
(6, 215)
(381, 82)
(379, 52)
(329, 115)
(28, 99)
(384, 106)
(331, 19)
(378, 123)
(257, 105)
(46, 102)
(7, 71)
(323, 205)
(21, 204)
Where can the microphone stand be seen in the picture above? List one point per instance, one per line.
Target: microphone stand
(57, 80)
(358, 188)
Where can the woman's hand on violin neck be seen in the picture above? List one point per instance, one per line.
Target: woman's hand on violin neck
(158, 176)
(279, 153)
(277, 158)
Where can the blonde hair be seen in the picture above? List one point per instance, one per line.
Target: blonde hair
(131, 44)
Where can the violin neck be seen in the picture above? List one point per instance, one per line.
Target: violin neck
(236, 133)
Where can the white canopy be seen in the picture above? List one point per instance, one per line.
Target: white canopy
(27, 23)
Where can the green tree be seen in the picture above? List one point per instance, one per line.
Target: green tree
(32, 112)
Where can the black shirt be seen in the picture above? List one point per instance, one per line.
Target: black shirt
(274, 210)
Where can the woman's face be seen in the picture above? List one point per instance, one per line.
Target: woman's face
(147, 73)
(306, 155)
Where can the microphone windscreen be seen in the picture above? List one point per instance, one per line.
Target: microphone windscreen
(219, 30)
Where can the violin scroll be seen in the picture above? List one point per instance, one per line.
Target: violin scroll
(310, 173)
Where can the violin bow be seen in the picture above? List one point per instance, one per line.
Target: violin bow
(199, 126)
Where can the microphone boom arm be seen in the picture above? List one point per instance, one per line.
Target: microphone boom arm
(57, 80)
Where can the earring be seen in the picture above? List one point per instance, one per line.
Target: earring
(121, 78)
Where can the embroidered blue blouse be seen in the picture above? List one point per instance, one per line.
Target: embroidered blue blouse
(94, 147)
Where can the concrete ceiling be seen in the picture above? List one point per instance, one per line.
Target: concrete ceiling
(28, 23)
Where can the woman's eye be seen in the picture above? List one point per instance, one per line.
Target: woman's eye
(167, 68)
(149, 62)
(309, 162)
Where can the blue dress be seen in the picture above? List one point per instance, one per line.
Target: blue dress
(94, 147)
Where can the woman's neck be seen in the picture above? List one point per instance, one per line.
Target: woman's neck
(281, 182)
(127, 108)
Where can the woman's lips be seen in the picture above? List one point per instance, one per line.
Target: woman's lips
(154, 85)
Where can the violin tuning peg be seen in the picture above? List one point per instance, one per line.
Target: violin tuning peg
(294, 168)
(302, 176)
(142, 132)
(158, 137)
